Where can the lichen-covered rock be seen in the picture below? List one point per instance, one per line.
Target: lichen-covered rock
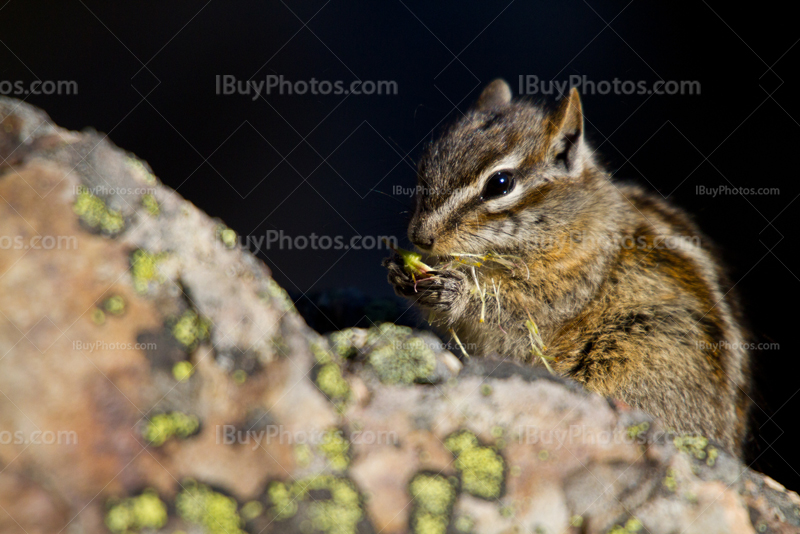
(155, 378)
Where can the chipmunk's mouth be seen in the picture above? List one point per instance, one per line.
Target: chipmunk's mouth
(449, 245)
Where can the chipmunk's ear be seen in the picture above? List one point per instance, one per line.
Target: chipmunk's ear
(497, 94)
(566, 133)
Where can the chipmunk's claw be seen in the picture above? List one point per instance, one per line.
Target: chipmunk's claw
(435, 290)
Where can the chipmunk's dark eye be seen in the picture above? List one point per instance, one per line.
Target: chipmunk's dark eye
(501, 183)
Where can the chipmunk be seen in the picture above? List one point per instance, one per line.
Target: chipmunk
(623, 292)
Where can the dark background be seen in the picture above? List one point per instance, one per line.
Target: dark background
(327, 164)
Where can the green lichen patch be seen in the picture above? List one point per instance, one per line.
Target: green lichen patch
(482, 468)
(713, 453)
(136, 513)
(698, 447)
(182, 371)
(402, 360)
(284, 505)
(464, 523)
(635, 432)
(461, 441)
(114, 305)
(303, 455)
(345, 343)
(387, 331)
(191, 329)
(278, 296)
(226, 235)
(339, 513)
(330, 381)
(215, 512)
(251, 510)
(320, 351)
(164, 426)
(239, 376)
(670, 481)
(144, 269)
(394, 352)
(93, 212)
(141, 171)
(631, 526)
(150, 204)
(433, 497)
(336, 450)
(403, 366)
(279, 345)
(98, 316)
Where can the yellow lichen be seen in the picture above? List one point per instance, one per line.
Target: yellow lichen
(631, 526)
(144, 269)
(482, 468)
(433, 497)
(215, 512)
(340, 514)
(227, 236)
(283, 504)
(320, 351)
(670, 482)
(239, 376)
(693, 445)
(303, 455)
(93, 212)
(336, 449)
(713, 453)
(163, 426)
(141, 171)
(507, 511)
(114, 305)
(182, 371)
(331, 383)
(191, 329)
(637, 431)
(98, 316)
(135, 513)
(278, 296)
(343, 343)
(150, 204)
(404, 361)
(251, 510)
(464, 523)
(461, 441)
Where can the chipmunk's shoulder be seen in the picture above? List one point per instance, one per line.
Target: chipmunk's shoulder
(656, 212)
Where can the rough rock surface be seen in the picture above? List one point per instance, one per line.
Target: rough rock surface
(153, 377)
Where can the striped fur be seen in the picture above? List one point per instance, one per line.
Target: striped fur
(625, 290)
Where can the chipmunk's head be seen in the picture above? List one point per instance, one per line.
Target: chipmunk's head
(504, 175)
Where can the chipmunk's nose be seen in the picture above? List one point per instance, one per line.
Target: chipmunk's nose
(421, 240)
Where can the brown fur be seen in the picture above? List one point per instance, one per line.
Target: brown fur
(624, 289)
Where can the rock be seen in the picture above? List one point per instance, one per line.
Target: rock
(154, 377)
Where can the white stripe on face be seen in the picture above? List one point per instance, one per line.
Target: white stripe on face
(462, 195)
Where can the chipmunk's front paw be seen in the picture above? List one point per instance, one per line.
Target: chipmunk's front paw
(438, 290)
(400, 279)
(441, 291)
